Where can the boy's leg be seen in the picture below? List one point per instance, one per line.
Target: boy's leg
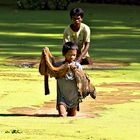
(62, 110)
(72, 111)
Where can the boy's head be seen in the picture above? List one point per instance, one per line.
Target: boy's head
(69, 51)
(77, 12)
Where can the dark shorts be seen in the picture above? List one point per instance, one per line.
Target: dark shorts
(87, 61)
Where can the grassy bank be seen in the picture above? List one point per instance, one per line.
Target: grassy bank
(114, 34)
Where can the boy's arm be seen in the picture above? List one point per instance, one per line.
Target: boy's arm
(65, 36)
(86, 43)
(84, 51)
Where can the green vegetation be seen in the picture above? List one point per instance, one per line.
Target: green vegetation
(115, 37)
(115, 34)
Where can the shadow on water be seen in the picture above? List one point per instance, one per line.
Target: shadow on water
(30, 115)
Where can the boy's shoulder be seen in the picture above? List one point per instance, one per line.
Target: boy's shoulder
(77, 64)
(59, 63)
(84, 26)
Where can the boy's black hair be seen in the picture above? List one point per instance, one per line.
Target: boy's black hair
(69, 46)
(77, 12)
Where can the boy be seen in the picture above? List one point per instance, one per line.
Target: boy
(78, 33)
(67, 91)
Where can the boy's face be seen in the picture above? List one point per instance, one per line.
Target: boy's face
(70, 56)
(76, 19)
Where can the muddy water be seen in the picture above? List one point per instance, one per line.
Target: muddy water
(89, 107)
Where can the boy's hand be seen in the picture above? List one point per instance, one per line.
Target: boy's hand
(72, 66)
